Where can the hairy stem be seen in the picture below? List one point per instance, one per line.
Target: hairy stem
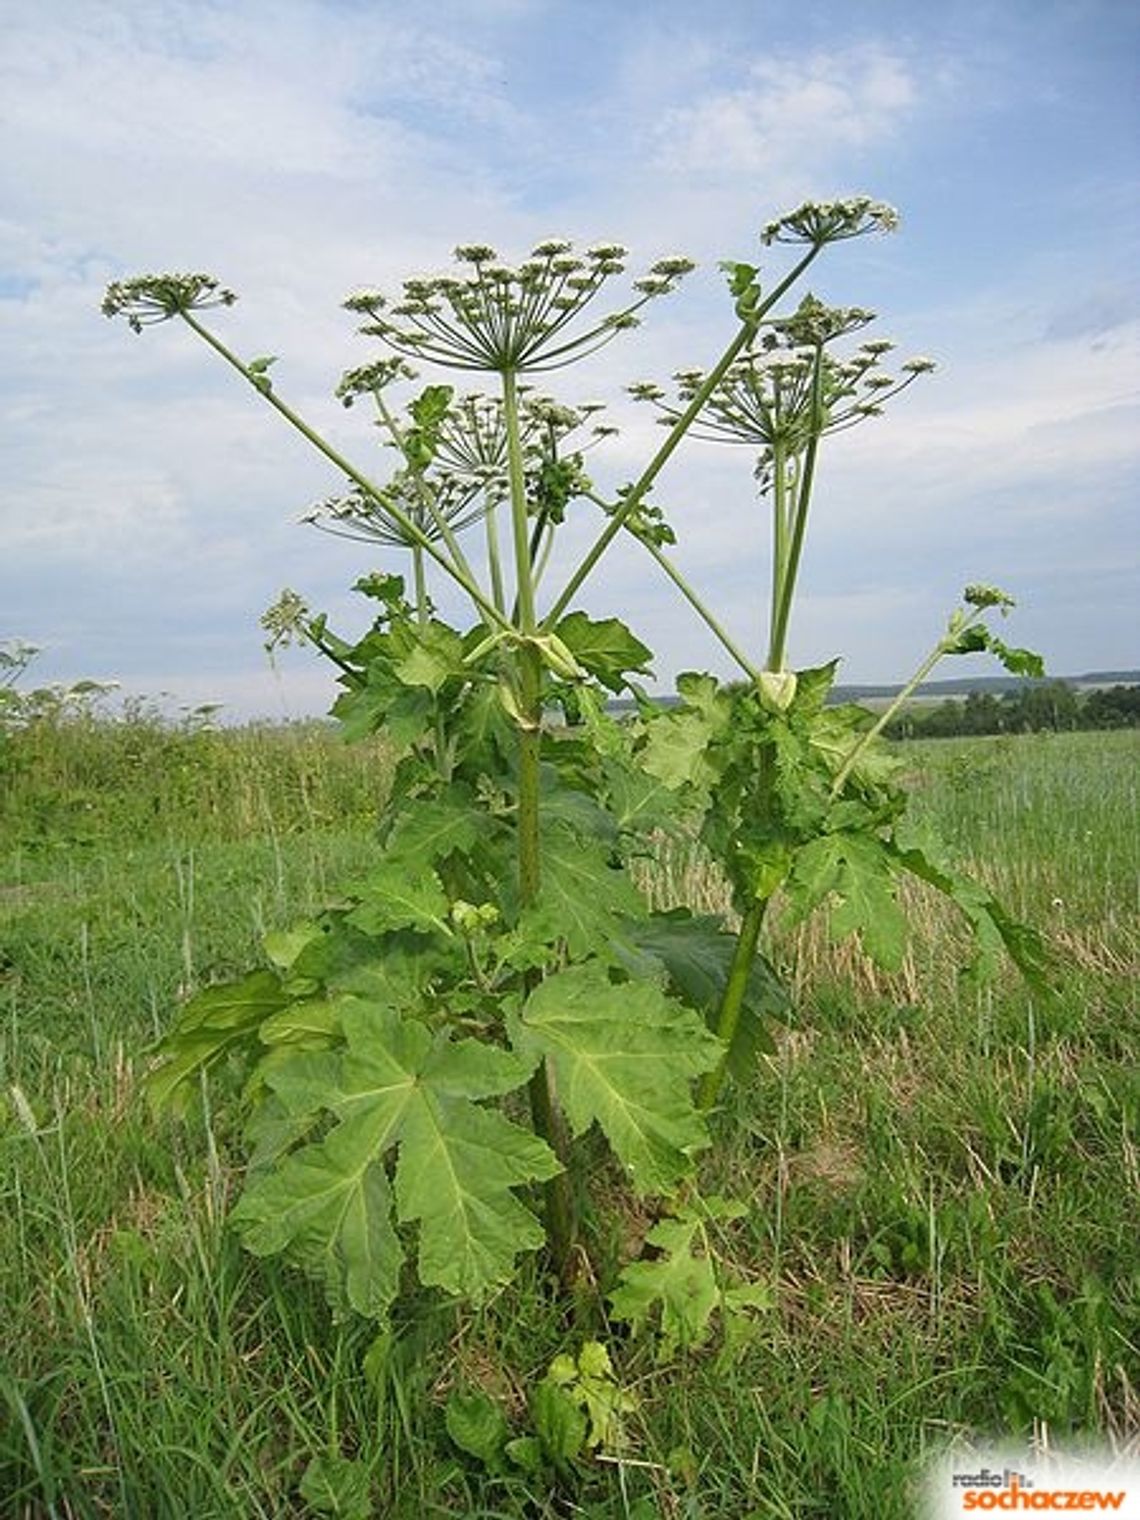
(801, 504)
(546, 1114)
(420, 584)
(775, 659)
(491, 529)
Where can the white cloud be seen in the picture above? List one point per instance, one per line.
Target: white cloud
(791, 116)
(302, 148)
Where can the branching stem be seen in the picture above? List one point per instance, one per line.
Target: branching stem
(637, 494)
(414, 532)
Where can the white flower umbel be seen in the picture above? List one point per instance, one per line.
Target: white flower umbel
(504, 319)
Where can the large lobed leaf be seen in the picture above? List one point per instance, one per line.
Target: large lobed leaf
(694, 953)
(398, 1085)
(581, 899)
(624, 1056)
(605, 648)
(860, 871)
(211, 1025)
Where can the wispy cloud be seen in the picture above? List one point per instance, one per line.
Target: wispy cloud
(301, 148)
(790, 116)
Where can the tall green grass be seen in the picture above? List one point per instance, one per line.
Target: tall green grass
(941, 1185)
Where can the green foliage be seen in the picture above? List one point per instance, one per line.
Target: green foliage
(578, 1407)
(398, 1087)
(338, 1486)
(686, 1281)
(981, 1136)
(624, 1056)
(498, 939)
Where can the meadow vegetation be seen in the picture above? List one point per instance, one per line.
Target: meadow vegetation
(620, 1134)
(940, 1184)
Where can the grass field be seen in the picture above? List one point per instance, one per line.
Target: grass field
(942, 1188)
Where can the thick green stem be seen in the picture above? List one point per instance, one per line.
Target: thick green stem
(491, 529)
(732, 1003)
(520, 533)
(782, 602)
(546, 1115)
(414, 532)
(775, 659)
(420, 584)
(677, 432)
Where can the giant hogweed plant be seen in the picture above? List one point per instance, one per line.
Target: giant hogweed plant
(428, 1068)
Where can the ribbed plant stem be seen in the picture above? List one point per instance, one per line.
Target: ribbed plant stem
(732, 1003)
(546, 1116)
(545, 1112)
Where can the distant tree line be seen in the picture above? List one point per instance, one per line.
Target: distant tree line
(1052, 705)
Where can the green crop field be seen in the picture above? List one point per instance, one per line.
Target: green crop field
(941, 1187)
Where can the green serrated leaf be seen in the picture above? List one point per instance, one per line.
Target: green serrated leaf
(703, 692)
(581, 896)
(812, 688)
(399, 1085)
(212, 1024)
(338, 1486)
(605, 648)
(858, 868)
(436, 655)
(637, 802)
(680, 1289)
(310, 1024)
(675, 748)
(426, 832)
(595, 1389)
(834, 733)
(271, 1130)
(392, 968)
(695, 954)
(679, 1285)
(1019, 662)
(994, 929)
(385, 705)
(393, 896)
(330, 1206)
(559, 1423)
(624, 1056)
(526, 1452)
(283, 946)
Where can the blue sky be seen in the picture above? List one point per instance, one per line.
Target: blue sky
(300, 149)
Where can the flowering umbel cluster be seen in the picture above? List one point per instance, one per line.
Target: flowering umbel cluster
(473, 437)
(788, 389)
(468, 472)
(383, 516)
(819, 222)
(152, 298)
(499, 318)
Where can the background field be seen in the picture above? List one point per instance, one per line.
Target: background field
(942, 1187)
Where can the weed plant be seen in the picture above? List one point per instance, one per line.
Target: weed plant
(941, 1194)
